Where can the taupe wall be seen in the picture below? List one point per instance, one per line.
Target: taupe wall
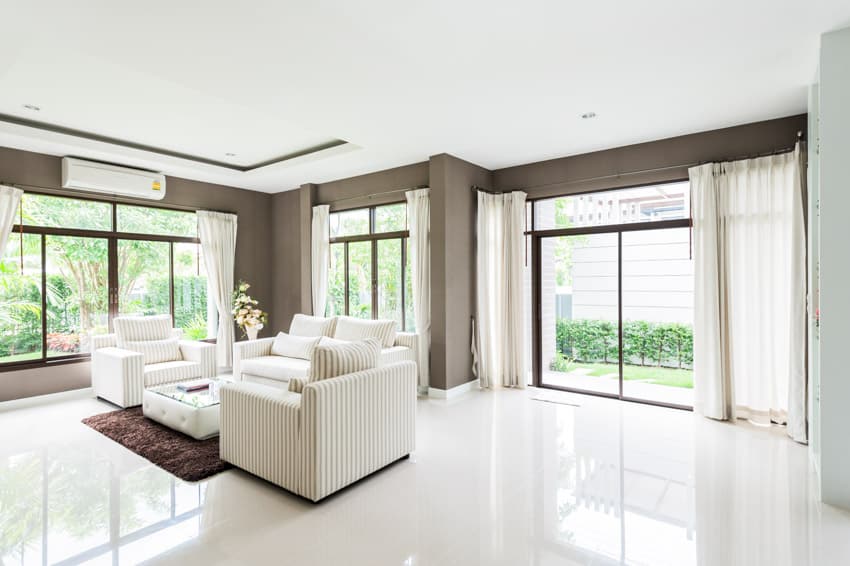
(453, 205)
(273, 248)
(253, 254)
(663, 159)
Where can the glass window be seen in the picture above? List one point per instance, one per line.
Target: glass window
(148, 277)
(390, 280)
(336, 281)
(143, 278)
(668, 201)
(20, 300)
(352, 284)
(360, 279)
(194, 310)
(391, 218)
(59, 212)
(349, 222)
(77, 298)
(158, 221)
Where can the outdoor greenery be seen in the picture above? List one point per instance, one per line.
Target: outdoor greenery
(388, 218)
(653, 352)
(76, 280)
(659, 344)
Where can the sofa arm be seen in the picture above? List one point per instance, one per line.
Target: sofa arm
(260, 431)
(296, 384)
(202, 353)
(248, 349)
(118, 376)
(344, 438)
(407, 339)
(99, 341)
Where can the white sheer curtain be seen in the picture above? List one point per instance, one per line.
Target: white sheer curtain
(500, 226)
(10, 199)
(750, 273)
(419, 247)
(321, 250)
(217, 232)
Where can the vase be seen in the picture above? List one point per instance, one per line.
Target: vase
(251, 331)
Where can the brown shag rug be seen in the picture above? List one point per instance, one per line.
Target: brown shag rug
(183, 456)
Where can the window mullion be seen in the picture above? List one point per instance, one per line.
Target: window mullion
(43, 298)
(345, 276)
(374, 278)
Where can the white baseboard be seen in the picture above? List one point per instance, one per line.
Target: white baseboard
(454, 391)
(37, 400)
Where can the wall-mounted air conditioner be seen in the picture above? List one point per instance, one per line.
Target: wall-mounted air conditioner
(111, 179)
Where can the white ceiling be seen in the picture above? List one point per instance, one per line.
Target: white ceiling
(497, 83)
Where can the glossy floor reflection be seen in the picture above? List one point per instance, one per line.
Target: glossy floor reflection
(498, 478)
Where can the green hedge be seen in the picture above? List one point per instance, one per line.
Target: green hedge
(644, 343)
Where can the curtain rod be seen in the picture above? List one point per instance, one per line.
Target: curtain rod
(58, 192)
(376, 195)
(652, 170)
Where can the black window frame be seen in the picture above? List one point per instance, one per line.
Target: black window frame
(534, 238)
(374, 237)
(112, 237)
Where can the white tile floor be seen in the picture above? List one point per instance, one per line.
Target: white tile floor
(497, 478)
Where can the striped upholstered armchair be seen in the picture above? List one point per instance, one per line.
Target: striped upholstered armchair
(145, 351)
(336, 431)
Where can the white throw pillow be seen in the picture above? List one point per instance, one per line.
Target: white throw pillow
(156, 351)
(305, 325)
(333, 361)
(326, 341)
(350, 328)
(300, 347)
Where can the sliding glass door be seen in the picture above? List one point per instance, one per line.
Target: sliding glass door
(613, 294)
(579, 330)
(658, 302)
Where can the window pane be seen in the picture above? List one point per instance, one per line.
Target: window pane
(391, 218)
(143, 287)
(20, 300)
(409, 318)
(360, 279)
(389, 280)
(336, 281)
(641, 204)
(349, 222)
(58, 212)
(194, 311)
(658, 315)
(159, 221)
(76, 293)
(579, 312)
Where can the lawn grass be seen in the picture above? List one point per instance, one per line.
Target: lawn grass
(21, 357)
(670, 377)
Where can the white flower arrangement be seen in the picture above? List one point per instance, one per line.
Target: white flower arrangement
(245, 311)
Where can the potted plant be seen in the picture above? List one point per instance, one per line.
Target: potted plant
(246, 314)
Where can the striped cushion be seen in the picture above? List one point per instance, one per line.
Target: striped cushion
(350, 328)
(156, 351)
(304, 325)
(139, 328)
(289, 346)
(332, 361)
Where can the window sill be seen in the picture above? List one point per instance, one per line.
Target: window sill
(36, 364)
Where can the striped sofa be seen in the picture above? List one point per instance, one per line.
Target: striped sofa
(335, 432)
(254, 361)
(143, 352)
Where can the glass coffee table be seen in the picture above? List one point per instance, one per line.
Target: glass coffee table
(194, 413)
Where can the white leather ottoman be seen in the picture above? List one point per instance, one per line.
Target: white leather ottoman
(195, 414)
